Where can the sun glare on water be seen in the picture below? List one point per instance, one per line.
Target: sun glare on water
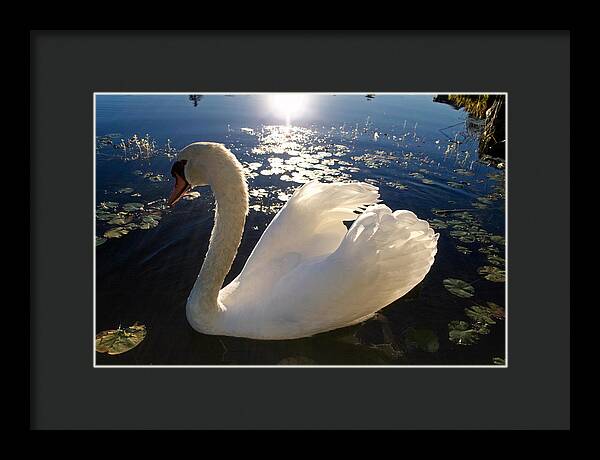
(288, 106)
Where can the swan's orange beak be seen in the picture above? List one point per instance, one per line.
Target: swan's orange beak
(181, 186)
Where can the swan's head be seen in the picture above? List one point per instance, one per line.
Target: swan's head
(191, 168)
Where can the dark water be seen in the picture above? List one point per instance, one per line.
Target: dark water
(421, 154)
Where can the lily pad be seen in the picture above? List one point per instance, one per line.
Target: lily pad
(116, 232)
(133, 206)
(125, 190)
(459, 288)
(100, 240)
(497, 239)
(437, 224)
(427, 181)
(104, 215)
(463, 249)
(423, 339)
(495, 260)
(499, 361)
(461, 333)
(148, 222)
(117, 341)
(120, 219)
(480, 315)
(496, 310)
(109, 204)
(492, 273)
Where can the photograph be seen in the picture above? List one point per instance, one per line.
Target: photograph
(300, 229)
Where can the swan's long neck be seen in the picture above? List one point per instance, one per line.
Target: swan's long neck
(226, 178)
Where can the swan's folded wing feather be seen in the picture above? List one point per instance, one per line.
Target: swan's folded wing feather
(310, 225)
(383, 256)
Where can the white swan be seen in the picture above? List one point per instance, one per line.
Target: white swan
(308, 273)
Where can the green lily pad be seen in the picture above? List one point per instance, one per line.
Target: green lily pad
(496, 260)
(499, 361)
(100, 240)
(496, 310)
(480, 315)
(423, 339)
(109, 204)
(488, 250)
(133, 207)
(497, 239)
(104, 215)
(125, 190)
(463, 249)
(467, 239)
(120, 219)
(492, 273)
(427, 181)
(117, 341)
(437, 224)
(116, 232)
(148, 222)
(462, 333)
(459, 288)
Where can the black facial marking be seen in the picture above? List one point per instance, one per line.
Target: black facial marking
(178, 167)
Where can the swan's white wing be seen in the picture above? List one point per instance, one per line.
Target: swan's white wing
(312, 286)
(309, 225)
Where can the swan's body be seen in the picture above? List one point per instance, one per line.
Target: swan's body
(308, 273)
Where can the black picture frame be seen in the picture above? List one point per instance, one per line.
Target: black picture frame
(533, 67)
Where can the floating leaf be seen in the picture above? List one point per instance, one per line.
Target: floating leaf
(495, 310)
(427, 181)
(480, 315)
(463, 249)
(492, 273)
(499, 361)
(423, 339)
(488, 250)
(125, 190)
(495, 260)
(148, 222)
(104, 215)
(116, 232)
(109, 204)
(100, 240)
(120, 219)
(133, 206)
(459, 288)
(115, 342)
(497, 239)
(462, 333)
(467, 239)
(437, 224)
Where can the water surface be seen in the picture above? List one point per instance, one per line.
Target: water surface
(418, 152)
